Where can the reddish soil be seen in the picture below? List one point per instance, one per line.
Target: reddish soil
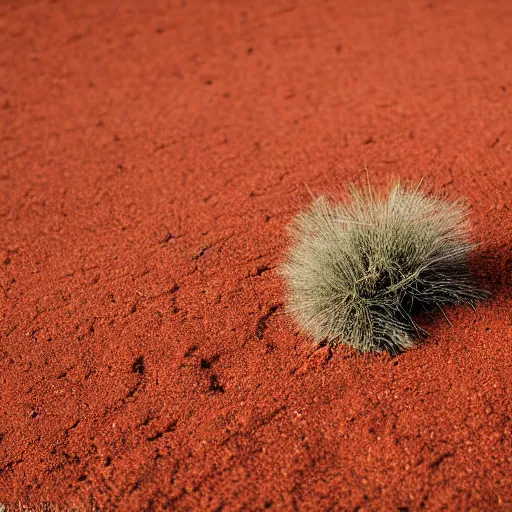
(152, 154)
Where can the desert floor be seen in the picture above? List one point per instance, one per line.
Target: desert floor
(151, 155)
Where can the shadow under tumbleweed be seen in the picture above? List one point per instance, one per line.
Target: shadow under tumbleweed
(492, 267)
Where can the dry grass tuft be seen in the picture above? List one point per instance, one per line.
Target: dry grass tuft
(357, 272)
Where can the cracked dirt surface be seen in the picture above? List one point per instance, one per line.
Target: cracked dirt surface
(151, 154)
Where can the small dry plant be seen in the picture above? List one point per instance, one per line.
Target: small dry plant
(357, 272)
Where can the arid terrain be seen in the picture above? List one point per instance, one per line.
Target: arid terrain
(151, 155)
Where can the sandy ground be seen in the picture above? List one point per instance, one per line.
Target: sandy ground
(151, 155)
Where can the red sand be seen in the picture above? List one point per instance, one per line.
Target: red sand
(151, 155)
